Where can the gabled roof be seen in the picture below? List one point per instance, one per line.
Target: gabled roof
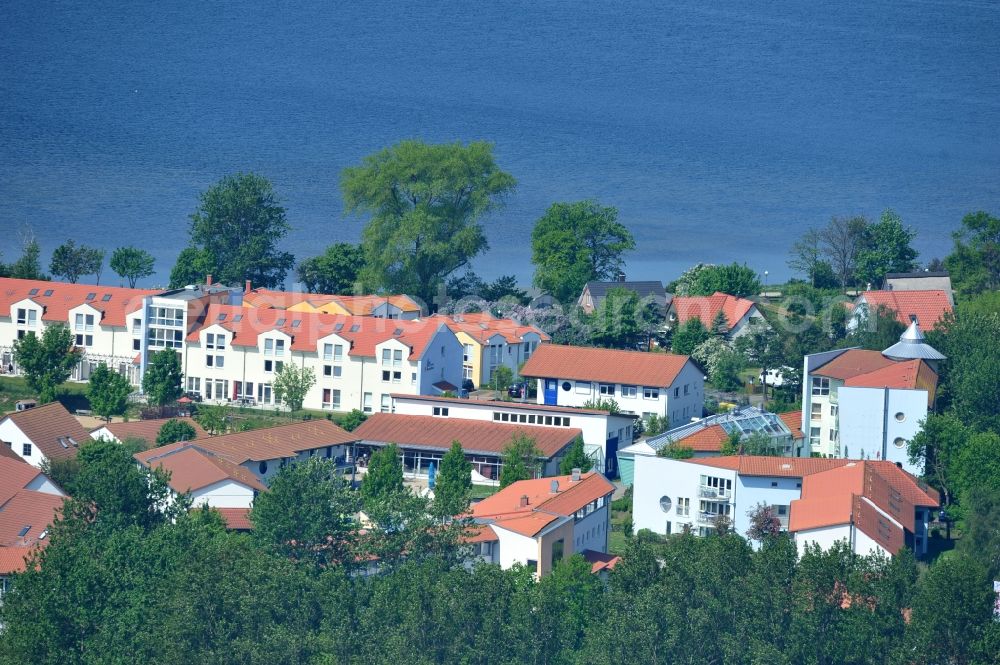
(793, 421)
(600, 560)
(265, 444)
(26, 516)
(147, 430)
(853, 362)
(706, 308)
(483, 325)
(504, 509)
(897, 375)
(192, 468)
(641, 288)
(515, 406)
(14, 559)
(755, 465)
(364, 333)
(112, 301)
(15, 475)
(476, 436)
(237, 519)
(584, 363)
(927, 306)
(361, 305)
(51, 429)
(709, 440)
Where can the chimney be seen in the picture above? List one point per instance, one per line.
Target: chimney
(576, 476)
(524, 500)
(208, 280)
(554, 487)
(621, 277)
(246, 289)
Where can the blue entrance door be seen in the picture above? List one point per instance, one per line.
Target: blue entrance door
(551, 385)
(611, 457)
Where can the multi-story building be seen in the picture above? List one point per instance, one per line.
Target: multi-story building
(602, 432)
(489, 343)
(643, 384)
(43, 433)
(865, 404)
(386, 307)
(735, 313)
(873, 505)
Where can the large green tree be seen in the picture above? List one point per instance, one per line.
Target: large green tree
(974, 263)
(617, 322)
(162, 381)
(28, 266)
(575, 243)
(71, 261)
(575, 458)
(292, 384)
(971, 375)
(334, 271)
(132, 264)
(108, 392)
(175, 430)
(425, 204)
(308, 513)
(841, 240)
(885, 247)
(761, 346)
(521, 460)
(936, 448)
(734, 279)
(384, 477)
(46, 361)
(453, 483)
(689, 336)
(235, 233)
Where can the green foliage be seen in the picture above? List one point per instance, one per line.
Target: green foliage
(521, 460)
(235, 232)
(132, 264)
(885, 248)
(470, 285)
(108, 392)
(734, 279)
(764, 523)
(425, 202)
(352, 420)
(70, 261)
(602, 404)
(292, 384)
(655, 424)
(334, 271)
(47, 361)
(175, 430)
(307, 514)
(689, 336)
(575, 458)
(574, 243)
(731, 446)
(981, 538)
(724, 373)
(806, 257)
(675, 451)
(616, 322)
(162, 381)
(28, 266)
(452, 484)
(761, 346)
(502, 377)
(974, 264)
(971, 375)
(384, 478)
(213, 418)
(876, 331)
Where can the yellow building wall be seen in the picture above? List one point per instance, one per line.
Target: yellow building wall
(545, 562)
(476, 359)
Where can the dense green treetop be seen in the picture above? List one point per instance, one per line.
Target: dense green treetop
(575, 458)
(453, 483)
(71, 261)
(46, 361)
(162, 381)
(520, 460)
(334, 271)
(175, 430)
(974, 264)
(886, 247)
(132, 264)
(108, 392)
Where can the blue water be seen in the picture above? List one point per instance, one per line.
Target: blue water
(720, 130)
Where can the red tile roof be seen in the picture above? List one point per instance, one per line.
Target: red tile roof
(359, 305)
(14, 559)
(192, 468)
(482, 325)
(266, 444)
(237, 519)
(45, 425)
(600, 560)
(14, 477)
(504, 508)
(476, 436)
(853, 362)
(583, 363)
(67, 296)
(753, 465)
(35, 510)
(706, 308)
(479, 533)
(307, 328)
(708, 440)
(902, 374)
(927, 306)
(473, 401)
(8, 453)
(793, 421)
(147, 430)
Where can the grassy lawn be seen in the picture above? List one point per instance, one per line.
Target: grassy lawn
(14, 388)
(483, 491)
(617, 538)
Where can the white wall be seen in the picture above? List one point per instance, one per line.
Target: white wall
(13, 435)
(656, 477)
(41, 483)
(825, 537)
(224, 494)
(514, 548)
(772, 491)
(864, 418)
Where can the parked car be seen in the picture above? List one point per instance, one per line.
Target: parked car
(518, 390)
(468, 385)
(776, 376)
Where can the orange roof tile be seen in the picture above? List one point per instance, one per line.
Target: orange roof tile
(582, 363)
(754, 465)
(479, 533)
(14, 559)
(483, 325)
(706, 308)
(927, 306)
(476, 436)
(897, 375)
(14, 477)
(361, 305)
(65, 297)
(237, 519)
(820, 512)
(543, 505)
(45, 425)
(793, 421)
(600, 560)
(525, 524)
(34, 510)
(147, 430)
(853, 362)
(192, 468)
(472, 401)
(708, 440)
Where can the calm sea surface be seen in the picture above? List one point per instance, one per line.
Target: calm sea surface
(720, 130)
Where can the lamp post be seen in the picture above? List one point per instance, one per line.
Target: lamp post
(765, 283)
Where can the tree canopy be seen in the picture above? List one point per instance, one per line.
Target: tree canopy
(575, 458)
(521, 460)
(132, 264)
(453, 483)
(292, 384)
(574, 243)
(384, 477)
(735, 279)
(335, 271)
(108, 392)
(619, 322)
(974, 263)
(162, 380)
(175, 430)
(885, 247)
(689, 336)
(71, 261)
(46, 361)
(425, 203)
(235, 231)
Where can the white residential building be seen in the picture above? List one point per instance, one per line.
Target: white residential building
(736, 313)
(45, 432)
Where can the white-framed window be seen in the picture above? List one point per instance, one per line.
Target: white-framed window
(583, 387)
(629, 391)
(441, 411)
(833, 434)
(215, 361)
(683, 506)
(467, 372)
(366, 403)
(816, 411)
(814, 436)
(327, 370)
(264, 394)
(397, 358)
(85, 340)
(820, 385)
(327, 398)
(273, 366)
(835, 410)
(413, 378)
(336, 399)
(386, 356)
(268, 347)
(608, 389)
(466, 353)
(26, 450)
(136, 326)
(650, 393)
(85, 322)
(193, 384)
(386, 403)
(328, 352)
(279, 348)
(209, 340)
(22, 316)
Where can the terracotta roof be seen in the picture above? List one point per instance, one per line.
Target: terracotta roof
(915, 490)
(927, 306)
(483, 325)
(147, 430)
(505, 510)
(363, 333)
(479, 533)
(476, 436)
(897, 375)
(14, 477)
(45, 425)
(583, 363)
(359, 305)
(600, 560)
(65, 297)
(6, 452)
(793, 421)
(754, 465)
(192, 468)
(853, 362)
(819, 512)
(237, 519)
(706, 308)
(708, 440)
(14, 559)
(266, 444)
(34, 510)
(571, 410)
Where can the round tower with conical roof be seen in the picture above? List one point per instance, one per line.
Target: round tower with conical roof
(913, 346)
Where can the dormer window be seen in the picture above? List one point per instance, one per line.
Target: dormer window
(90, 296)
(85, 322)
(106, 297)
(33, 292)
(280, 322)
(48, 292)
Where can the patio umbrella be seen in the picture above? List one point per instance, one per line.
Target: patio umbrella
(431, 472)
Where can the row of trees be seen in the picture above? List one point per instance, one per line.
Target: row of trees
(71, 262)
(286, 593)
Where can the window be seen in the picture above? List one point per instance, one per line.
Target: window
(899, 442)
(413, 378)
(262, 467)
(834, 410)
(386, 403)
(900, 417)
(567, 386)
(685, 389)
(397, 358)
(136, 344)
(629, 391)
(386, 356)
(650, 393)
(327, 370)
(219, 361)
(608, 389)
(441, 411)
(774, 483)
(582, 388)
(338, 352)
(366, 404)
(385, 375)
(268, 366)
(397, 377)
(210, 340)
(816, 411)
(193, 384)
(22, 316)
(665, 504)
(677, 391)
(814, 436)
(683, 506)
(26, 450)
(328, 352)
(833, 435)
(336, 399)
(327, 397)
(467, 372)
(820, 385)
(466, 353)
(279, 347)
(268, 349)
(85, 340)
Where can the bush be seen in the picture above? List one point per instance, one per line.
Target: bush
(623, 504)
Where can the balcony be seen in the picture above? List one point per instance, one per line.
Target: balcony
(714, 493)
